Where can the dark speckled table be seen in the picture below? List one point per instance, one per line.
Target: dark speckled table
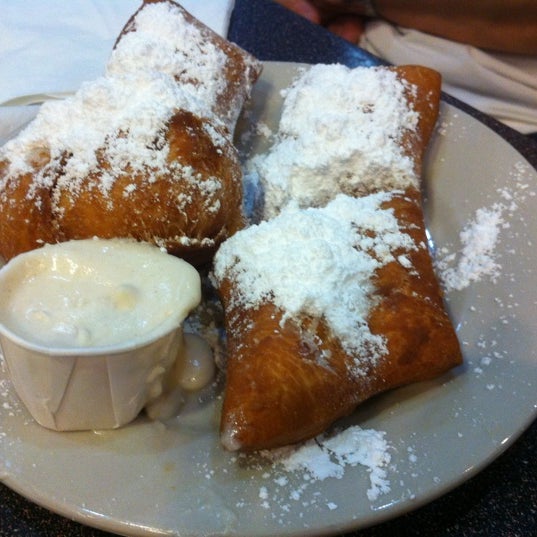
(499, 501)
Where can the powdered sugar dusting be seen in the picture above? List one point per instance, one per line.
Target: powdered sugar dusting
(341, 130)
(319, 262)
(328, 456)
(477, 257)
(165, 44)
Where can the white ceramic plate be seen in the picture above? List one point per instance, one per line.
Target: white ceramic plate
(174, 479)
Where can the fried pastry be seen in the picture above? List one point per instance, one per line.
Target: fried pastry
(329, 305)
(354, 131)
(143, 152)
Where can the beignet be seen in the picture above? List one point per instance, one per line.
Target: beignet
(353, 131)
(143, 152)
(326, 306)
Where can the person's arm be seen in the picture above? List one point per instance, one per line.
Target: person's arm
(508, 26)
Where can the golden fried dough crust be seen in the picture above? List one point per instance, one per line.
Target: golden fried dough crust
(423, 87)
(278, 392)
(25, 222)
(185, 211)
(290, 378)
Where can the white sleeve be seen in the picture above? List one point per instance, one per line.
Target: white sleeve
(53, 46)
(501, 85)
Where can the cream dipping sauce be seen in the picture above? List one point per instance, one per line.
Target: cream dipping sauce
(101, 321)
(95, 293)
(193, 370)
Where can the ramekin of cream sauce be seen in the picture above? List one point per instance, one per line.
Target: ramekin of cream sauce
(91, 331)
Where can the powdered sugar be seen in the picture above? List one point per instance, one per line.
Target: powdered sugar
(140, 103)
(328, 456)
(317, 261)
(165, 44)
(477, 257)
(341, 130)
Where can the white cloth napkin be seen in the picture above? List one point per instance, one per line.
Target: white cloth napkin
(52, 47)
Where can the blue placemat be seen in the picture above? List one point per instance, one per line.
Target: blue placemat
(272, 33)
